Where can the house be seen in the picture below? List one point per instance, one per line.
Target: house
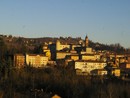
(36, 60)
(19, 60)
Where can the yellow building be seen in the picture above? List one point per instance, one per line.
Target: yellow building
(47, 53)
(97, 56)
(88, 57)
(60, 46)
(62, 55)
(56, 96)
(116, 72)
(36, 60)
(19, 60)
(73, 57)
(89, 50)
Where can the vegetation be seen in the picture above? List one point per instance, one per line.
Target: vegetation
(117, 48)
(44, 83)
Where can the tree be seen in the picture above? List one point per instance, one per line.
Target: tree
(3, 49)
(38, 49)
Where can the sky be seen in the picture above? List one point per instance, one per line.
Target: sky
(103, 21)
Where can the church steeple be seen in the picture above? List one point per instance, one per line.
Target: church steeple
(86, 41)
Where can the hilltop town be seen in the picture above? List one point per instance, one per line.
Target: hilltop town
(31, 64)
(84, 56)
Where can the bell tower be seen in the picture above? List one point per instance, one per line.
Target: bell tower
(86, 41)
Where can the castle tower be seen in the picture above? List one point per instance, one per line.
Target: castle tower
(86, 41)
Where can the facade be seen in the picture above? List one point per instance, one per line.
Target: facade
(73, 57)
(35, 60)
(88, 57)
(97, 57)
(19, 60)
(60, 46)
(62, 55)
(47, 53)
(88, 66)
(89, 50)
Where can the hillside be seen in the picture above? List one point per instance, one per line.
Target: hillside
(22, 45)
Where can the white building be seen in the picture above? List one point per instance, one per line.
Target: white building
(88, 66)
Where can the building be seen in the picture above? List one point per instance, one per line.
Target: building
(47, 51)
(116, 72)
(88, 65)
(60, 46)
(62, 55)
(36, 60)
(19, 60)
(56, 96)
(89, 50)
(73, 57)
(86, 41)
(88, 57)
(100, 72)
(73, 47)
(124, 65)
(128, 59)
(98, 57)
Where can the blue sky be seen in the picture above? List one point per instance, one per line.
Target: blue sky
(104, 21)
